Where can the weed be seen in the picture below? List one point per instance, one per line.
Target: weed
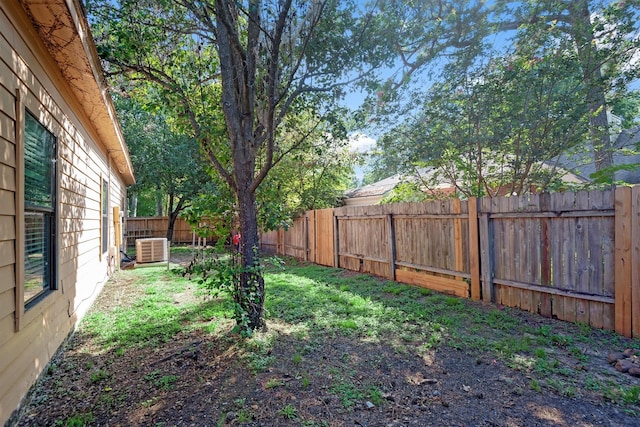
(347, 392)
(99, 375)
(273, 383)
(540, 353)
(592, 384)
(305, 381)
(150, 402)
(631, 395)
(80, 420)
(165, 382)
(578, 354)
(152, 375)
(374, 395)
(289, 412)
(244, 416)
(535, 385)
(258, 362)
(297, 358)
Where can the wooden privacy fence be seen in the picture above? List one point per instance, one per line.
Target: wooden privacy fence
(156, 226)
(570, 256)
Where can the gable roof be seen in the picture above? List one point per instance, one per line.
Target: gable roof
(625, 147)
(64, 30)
(375, 191)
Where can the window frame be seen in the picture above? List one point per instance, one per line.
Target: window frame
(104, 217)
(51, 216)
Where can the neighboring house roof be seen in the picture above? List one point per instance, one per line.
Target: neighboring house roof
(373, 193)
(583, 164)
(62, 26)
(379, 188)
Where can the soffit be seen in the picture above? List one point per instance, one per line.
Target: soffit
(63, 28)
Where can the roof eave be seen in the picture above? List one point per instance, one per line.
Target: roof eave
(74, 51)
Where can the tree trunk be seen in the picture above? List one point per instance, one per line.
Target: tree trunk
(159, 209)
(173, 216)
(251, 286)
(592, 74)
(238, 75)
(134, 204)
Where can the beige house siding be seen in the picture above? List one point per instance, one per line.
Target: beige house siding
(31, 80)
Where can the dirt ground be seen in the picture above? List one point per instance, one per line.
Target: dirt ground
(208, 383)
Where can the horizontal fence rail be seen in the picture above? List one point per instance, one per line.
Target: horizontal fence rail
(570, 256)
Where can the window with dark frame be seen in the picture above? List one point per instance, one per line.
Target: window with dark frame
(39, 210)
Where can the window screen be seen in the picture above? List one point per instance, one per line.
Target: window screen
(39, 209)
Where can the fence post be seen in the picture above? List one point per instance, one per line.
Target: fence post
(280, 241)
(622, 274)
(336, 242)
(392, 247)
(635, 260)
(486, 256)
(474, 248)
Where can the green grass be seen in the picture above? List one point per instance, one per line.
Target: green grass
(154, 318)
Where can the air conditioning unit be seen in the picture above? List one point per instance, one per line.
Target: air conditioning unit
(151, 250)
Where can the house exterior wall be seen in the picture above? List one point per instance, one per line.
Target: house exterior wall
(30, 80)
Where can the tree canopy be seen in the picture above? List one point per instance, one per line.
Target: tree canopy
(230, 73)
(513, 83)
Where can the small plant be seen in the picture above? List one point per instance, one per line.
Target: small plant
(150, 402)
(347, 392)
(273, 383)
(259, 362)
(244, 416)
(535, 385)
(152, 375)
(99, 375)
(297, 358)
(166, 382)
(289, 412)
(374, 395)
(540, 353)
(80, 420)
(578, 354)
(305, 381)
(592, 384)
(631, 395)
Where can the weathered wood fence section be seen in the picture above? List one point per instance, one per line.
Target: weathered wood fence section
(156, 226)
(571, 256)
